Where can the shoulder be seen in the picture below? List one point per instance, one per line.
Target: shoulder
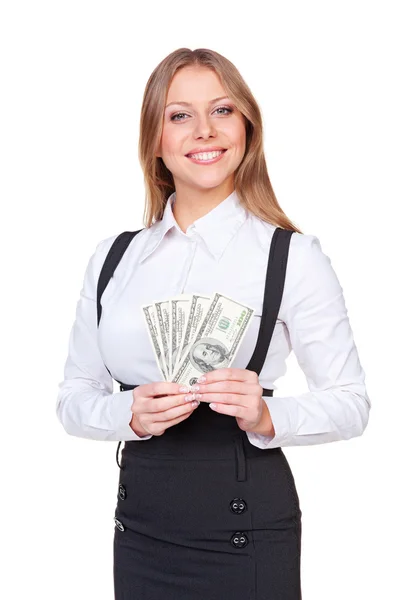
(261, 232)
(311, 280)
(100, 253)
(302, 246)
(105, 245)
(306, 256)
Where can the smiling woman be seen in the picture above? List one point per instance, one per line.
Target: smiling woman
(206, 503)
(195, 490)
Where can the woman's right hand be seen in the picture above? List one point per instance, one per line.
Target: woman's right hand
(158, 406)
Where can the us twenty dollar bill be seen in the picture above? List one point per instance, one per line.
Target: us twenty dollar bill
(217, 340)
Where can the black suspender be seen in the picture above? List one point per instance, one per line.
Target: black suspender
(112, 260)
(274, 286)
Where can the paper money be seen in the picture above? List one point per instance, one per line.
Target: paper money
(162, 315)
(217, 340)
(179, 308)
(192, 334)
(153, 330)
(194, 314)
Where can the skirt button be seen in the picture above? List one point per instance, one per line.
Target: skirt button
(238, 505)
(239, 539)
(119, 525)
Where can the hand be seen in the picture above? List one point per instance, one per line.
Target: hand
(237, 392)
(157, 406)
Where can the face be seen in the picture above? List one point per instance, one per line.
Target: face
(204, 123)
(207, 353)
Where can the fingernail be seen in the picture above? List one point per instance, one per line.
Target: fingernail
(189, 397)
(195, 404)
(184, 389)
(201, 379)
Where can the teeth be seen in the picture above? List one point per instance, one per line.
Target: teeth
(206, 155)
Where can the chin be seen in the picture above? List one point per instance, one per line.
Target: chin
(211, 181)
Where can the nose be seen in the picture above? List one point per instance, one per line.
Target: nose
(204, 127)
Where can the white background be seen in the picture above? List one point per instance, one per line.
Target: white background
(325, 75)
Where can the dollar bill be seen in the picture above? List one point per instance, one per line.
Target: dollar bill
(179, 308)
(161, 310)
(194, 314)
(216, 341)
(151, 320)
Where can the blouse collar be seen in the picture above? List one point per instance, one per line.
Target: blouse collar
(216, 228)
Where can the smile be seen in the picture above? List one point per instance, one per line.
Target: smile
(206, 158)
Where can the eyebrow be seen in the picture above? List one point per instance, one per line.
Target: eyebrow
(188, 103)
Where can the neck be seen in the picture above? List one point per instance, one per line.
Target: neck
(191, 204)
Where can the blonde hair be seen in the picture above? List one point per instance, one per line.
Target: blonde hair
(252, 183)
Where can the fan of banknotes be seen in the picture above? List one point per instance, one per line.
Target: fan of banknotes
(192, 334)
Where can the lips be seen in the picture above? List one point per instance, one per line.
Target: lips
(205, 151)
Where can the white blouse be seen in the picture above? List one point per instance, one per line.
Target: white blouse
(225, 251)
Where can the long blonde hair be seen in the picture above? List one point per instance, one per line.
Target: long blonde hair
(252, 182)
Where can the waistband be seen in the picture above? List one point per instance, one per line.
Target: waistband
(204, 435)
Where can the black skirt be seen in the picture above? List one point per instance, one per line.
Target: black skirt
(202, 514)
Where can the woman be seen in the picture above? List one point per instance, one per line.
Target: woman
(207, 505)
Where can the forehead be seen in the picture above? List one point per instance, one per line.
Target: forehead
(194, 85)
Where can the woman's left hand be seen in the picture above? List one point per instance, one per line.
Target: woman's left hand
(236, 392)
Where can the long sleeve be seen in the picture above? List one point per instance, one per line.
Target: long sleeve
(86, 405)
(337, 405)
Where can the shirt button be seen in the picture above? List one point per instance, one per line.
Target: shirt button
(119, 525)
(239, 539)
(122, 492)
(238, 506)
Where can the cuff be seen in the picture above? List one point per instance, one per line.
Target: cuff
(283, 415)
(122, 411)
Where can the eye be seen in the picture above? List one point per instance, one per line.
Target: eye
(173, 117)
(229, 110)
(226, 108)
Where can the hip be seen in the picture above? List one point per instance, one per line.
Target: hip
(224, 487)
(207, 525)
